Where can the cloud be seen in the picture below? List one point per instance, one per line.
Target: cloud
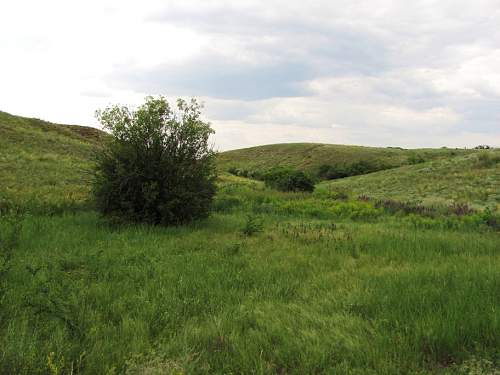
(420, 73)
(219, 76)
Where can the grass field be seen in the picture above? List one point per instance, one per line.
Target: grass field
(270, 283)
(314, 286)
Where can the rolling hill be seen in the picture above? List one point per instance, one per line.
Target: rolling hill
(49, 164)
(310, 156)
(45, 163)
(473, 178)
(271, 282)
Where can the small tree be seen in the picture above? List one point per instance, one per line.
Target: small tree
(158, 166)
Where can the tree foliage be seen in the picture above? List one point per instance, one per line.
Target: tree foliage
(158, 167)
(332, 172)
(285, 179)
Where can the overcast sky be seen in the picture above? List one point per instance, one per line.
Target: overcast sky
(421, 73)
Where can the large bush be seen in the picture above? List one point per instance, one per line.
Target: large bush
(158, 166)
(288, 180)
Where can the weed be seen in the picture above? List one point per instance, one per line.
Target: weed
(253, 225)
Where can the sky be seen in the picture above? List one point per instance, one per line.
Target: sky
(421, 73)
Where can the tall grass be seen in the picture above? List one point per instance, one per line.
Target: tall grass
(315, 289)
(272, 282)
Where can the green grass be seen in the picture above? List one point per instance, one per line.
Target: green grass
(44, 164)
(270, 283)
(48, 166)
(472, 178)
(311, 292)
(310, 156)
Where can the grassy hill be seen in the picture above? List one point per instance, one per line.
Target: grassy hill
(45, 163)
(310, 156)
(48, 164)
(271, 283)
(442, 176)
(473, 178)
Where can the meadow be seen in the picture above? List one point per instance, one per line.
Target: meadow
(271, 283)
(472, 178)
(309, 157)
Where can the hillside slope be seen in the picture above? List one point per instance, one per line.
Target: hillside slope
(473, 178)
(49, 165)
(310, 156)
(45, 163)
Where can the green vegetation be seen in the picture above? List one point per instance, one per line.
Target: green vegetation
(43, 165)
(333, 172)
(473, 178)
(284, 179)
(157, 167)
(312, 157)
(272, 282)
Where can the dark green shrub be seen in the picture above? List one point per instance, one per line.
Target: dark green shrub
(361, 167)
(158, 166)
(332, 172)
(256, 175)
(288, 180)
(233, 171)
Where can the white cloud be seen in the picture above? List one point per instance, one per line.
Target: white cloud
(421, 73)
